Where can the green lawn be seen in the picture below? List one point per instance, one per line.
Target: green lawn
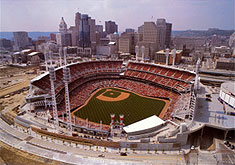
(134, 108)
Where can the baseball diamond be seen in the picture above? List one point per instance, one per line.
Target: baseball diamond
(106, 101)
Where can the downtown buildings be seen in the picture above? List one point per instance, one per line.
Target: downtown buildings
(21, 40)
(153, 37)
(85, 35)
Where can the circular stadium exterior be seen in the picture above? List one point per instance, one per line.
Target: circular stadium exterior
(146, 79)
(227, 93)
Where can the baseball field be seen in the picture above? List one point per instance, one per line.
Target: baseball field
(117, 101)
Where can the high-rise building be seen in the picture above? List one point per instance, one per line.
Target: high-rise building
(92, 34)
(168, 35)
(21, 40)
(5, 44)
(127, 42)
(111, 27)
(63, 26)
(99, 28)
(92, 29)
(147, 38)
(74, 35)
(163, 33)
(77, 24)
(63, 38)
(129, 30)
(77, 20)
(84, 32)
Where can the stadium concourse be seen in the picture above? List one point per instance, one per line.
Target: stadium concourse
(86, 77)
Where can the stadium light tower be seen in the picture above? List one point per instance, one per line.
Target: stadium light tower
(45, 58)
(197, 79)
(60, 54)
(112, 123)
(167, 56)
(142, 51)
(173, 55)
(121, 121)
(65, 55)
(136, 52)
(54, 106)
(50, 54)
(67, 78)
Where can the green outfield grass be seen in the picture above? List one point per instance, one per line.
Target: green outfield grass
(134, 108)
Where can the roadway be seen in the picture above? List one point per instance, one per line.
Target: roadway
(72, 153)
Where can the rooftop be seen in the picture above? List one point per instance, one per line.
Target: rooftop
(150, 122)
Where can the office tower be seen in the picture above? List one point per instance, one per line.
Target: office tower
(74, 35)
(129, 30)
(149, 32)
(127, 42)
(63, 26)
(5, 44)
(163, 33)
(92, 34)
(110, 27)
(92, 29)
(147, 38)
(99, 28)
(77, 20)
(21, 40)
(63, 38)
(168, 35)
(77, 24)
(84, 32)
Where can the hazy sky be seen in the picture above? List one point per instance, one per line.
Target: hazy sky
(45, 15)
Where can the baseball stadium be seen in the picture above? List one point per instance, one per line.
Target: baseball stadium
(104, 92)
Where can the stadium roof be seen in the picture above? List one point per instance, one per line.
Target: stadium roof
(150, 122)
(229, 86)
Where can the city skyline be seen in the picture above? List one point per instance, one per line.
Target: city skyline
(44, 15)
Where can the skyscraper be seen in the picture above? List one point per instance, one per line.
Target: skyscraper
(147, 37)
(63, 38)
(163, 33)
(127, 42)
(92, 34)
(21, 40)
(62, 26)
(99, 28)
(84, 32)
(110, 27)
(77, 24)
(168, 35)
